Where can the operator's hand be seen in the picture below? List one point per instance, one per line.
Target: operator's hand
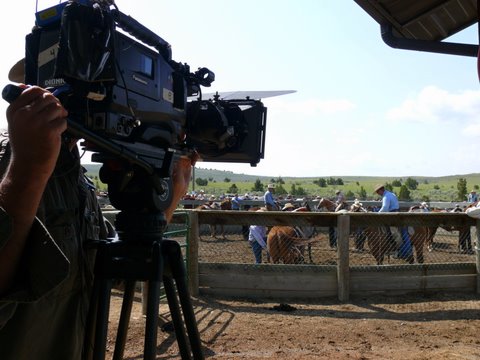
(182, 173)
(36, 121)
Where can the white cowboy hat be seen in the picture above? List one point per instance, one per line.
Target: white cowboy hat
(271, 186)
(288, 206)
(378, 187)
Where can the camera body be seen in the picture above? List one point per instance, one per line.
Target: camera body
(127, 89)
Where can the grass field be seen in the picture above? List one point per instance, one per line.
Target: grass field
(219, 182)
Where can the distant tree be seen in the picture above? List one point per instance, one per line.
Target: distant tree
(227, 180)
(350, 195)
(426, 182)
(233, 189)
(258, 186)
(362, 193)
(210, 179)
(201, 182)
(280, 180)
(331, 181)
(425, 198)
(293, 189)
(297, 191)
(388, 186)
(320, 182)
(396, 183)
(272, 180)
(339, 181)
(358, 184)
(280, 190)
(436, 187)
(412, 184)
(462, 189)
(475, 187)
(404, 193)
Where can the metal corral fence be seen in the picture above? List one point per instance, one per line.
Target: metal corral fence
(331, 254)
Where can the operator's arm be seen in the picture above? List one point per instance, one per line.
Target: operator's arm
(36, 121)
(182, 173)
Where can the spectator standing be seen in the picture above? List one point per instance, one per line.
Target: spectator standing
(472, 197)
(236, 202)
(257, 237)
(390, 204)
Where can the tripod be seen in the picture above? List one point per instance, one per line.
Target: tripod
(141, 255)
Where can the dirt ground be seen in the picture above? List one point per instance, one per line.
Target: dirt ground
(437, 326)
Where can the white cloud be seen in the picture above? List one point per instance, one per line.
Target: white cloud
(434, 105)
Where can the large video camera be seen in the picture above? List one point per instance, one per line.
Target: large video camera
(126, 95)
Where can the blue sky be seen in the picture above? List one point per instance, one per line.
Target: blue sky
(361, 107)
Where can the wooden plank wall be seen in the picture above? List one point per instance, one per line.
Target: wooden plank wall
(312, 281)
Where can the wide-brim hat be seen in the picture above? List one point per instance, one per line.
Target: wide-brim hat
(17, 72)
(288, 206)
(378, 187)
(271, 186)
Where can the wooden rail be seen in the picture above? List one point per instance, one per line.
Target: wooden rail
(265, 281)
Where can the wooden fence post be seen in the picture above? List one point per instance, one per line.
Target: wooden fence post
(343, 265)
(192, 255)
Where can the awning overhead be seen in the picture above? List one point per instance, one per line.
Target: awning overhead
(424, 24)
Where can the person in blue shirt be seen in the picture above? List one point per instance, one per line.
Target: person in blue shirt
(390, 204)
(236, 202)
(389, 200)
(268, 198)
(472, 197)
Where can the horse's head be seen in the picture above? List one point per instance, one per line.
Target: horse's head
(321, 204)
(226, 204)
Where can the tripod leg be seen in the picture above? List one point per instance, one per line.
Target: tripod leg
(190, 321)
(176, 317)
(153, 302)
(128, 295)
(101, 327)
(174, 262)
(151, 326)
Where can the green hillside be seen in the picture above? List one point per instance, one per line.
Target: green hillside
(220, 182)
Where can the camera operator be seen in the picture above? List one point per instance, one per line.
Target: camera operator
(48, 213)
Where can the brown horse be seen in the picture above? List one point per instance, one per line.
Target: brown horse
(379, 241)
(285, 244)
(331, 206)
